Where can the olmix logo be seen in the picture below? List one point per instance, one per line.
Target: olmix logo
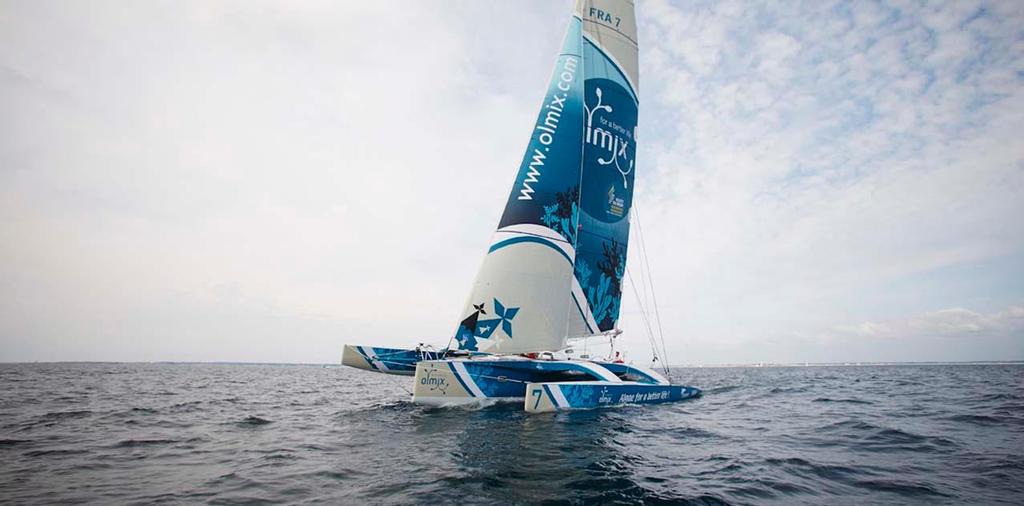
(606, 134)
(434, 383)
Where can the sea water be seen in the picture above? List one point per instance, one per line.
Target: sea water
(241, 434)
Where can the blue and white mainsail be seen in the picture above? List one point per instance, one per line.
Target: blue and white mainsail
(608, 166)
(566, 222)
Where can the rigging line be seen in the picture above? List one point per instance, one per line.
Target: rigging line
(643, 309)
(645, 265)
(397, 353)
(643, 313)
(650, 331)
(644, 269)
(394, 362)
(650, 278)
(498, 378)
(399, 382)
(633, 233)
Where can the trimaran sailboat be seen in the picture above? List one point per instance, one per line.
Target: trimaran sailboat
(554, 269)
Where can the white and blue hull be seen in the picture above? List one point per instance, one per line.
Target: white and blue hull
(544, 397)
(386, 360)
(541, 385)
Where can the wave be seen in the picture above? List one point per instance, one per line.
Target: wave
(57, 452)
(253, 421)
(691, 433)
(832, 472)
(722, 390)
(852, 424)
(842, 401)
(982, 420)
(65, 415)
(788, 390)
(902, 437)
(864, 436)
(902, 488)
(135, 443)
(186, 406)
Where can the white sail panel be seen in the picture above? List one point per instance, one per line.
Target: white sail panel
(611, 26)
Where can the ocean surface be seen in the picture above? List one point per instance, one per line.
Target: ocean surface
(251, 434)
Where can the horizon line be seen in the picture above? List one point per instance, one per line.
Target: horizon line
(672, 366)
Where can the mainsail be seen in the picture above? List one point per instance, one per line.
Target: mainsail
(608, 165)
(565, 225)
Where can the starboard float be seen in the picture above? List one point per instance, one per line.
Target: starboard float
(554, 269)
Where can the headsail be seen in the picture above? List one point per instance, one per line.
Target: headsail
(517, 303)
(608, 164)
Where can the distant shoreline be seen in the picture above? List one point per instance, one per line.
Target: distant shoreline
(850, 364)
(674, 366)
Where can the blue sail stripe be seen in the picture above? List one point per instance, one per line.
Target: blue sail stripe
(538, 240)
(582, 313)
(451, 365)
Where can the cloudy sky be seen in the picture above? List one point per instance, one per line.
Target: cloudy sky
(252, 181)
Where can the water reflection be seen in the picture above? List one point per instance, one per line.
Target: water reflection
(502, 454)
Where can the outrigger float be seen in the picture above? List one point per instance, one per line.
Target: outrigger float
(554, 269)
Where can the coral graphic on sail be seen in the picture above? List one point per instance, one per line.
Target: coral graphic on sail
(608, 169)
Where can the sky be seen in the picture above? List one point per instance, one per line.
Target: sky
(267, 181)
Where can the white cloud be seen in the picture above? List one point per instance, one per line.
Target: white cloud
(826, 166)
(947, 322)
(251, 181)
